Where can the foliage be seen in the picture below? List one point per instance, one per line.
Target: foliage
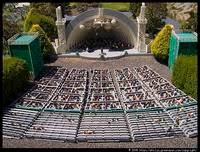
(46, 9)
(11, 25)
(15, 78)
(135, 9)
(47, 49)
(47, 23)
(160, 45)
(155, 14)
(184, 75)
(191, 23)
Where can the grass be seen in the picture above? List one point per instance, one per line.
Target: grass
(73, 4)
(116, 6)
(6, 56)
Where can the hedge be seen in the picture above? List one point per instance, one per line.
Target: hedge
(48, 51)
(15, 78)
(160, 45)
(184, 74)
(47, 23)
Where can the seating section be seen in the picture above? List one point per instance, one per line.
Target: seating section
(16, 121)
(55, 125)
(102, 94)
(151, 125)
(180, 107)
(186, 119)
(103, 127)
(166, 93)
(39, 95)
(134, 94)
(99, 105)
(71, 94)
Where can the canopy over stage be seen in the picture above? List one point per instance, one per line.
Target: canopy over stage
(100, 24)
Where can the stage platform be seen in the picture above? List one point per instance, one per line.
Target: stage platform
(106, 54)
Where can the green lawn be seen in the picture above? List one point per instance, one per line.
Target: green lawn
(116, 6)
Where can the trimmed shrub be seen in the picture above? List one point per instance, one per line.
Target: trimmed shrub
(160, 45)
(48, 51)
(184, 75)
(15, 78)
(47, 23)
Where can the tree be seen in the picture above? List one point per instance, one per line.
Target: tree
(160, 45)
(47, 9)
(47, 23)
(11, 26)
(47, 49)
(135, 9)
(64, 7)
(191, 23)
(155, 14)
(15, 78)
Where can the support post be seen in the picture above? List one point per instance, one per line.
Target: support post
(142, 21)
(60, 23)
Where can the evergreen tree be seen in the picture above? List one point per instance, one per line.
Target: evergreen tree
(47, 49)
(155, 14)
(160, 45)
(46, 22)
(135, 9)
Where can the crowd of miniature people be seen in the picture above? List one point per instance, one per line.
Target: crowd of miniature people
(100, 43)
(177, 101)
(163, 94)
(167, 94)
(103, 106)
(102, 89)
(135, 96)
(102, 94)
(65, 106)
(72, 91)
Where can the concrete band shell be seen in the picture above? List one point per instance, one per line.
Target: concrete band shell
(127, 30)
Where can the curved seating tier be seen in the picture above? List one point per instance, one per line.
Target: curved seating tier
(55, 125)
(97, 127)
(152, 125)
(16, 121)
(99, 105)
(186, 118)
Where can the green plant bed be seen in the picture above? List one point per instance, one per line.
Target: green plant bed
(184, 74)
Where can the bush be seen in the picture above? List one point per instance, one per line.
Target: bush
(47, 23)
(48, 51)
(160, 45)
(184, 75)
(15, 78)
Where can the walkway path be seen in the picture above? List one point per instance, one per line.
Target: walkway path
(129, 61)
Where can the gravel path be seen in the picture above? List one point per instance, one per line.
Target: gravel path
(130, 62)
(167, 143)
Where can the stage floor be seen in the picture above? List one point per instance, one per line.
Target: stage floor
(106, 54)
